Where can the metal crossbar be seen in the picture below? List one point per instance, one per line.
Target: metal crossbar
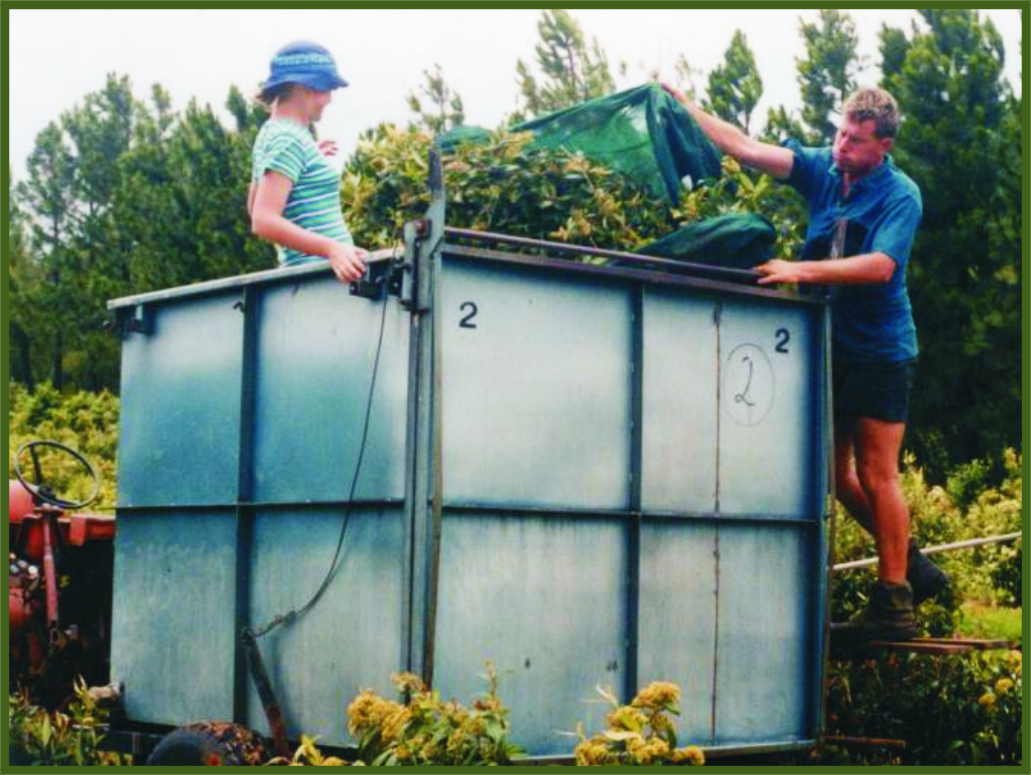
(935, 549)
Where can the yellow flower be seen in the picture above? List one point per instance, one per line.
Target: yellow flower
(657, 695)
(1013, 659)
(364, 712)
(987, 700)
(626, 718)
(407, 682)
(592, 752)
(648, 752)
(1003, 685)
(692, 754)
(393, 723)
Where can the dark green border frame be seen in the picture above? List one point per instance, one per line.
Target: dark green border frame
(5, 7)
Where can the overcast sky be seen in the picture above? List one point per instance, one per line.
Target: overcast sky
(58, 56)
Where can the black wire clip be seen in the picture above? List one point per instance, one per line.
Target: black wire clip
(380, 278)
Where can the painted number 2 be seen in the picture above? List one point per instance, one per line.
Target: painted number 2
(470, 309)
(783, 337)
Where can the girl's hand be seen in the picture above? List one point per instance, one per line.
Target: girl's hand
(328, 147)
(348, 262)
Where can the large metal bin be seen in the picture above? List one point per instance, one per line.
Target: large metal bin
(587, 474)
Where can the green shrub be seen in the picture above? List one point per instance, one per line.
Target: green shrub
(963, 709)
(1008, 576)
(38, 737)
(84, 421)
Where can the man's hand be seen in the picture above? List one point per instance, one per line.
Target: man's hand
(347, 262)
(780, 271)
(328, 147)
(673, 92)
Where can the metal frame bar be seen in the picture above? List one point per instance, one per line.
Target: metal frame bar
(646, 276)
(244, 493)
(687, 267)
(822, 445)
(633, 526)
(424, 475)
(268, 276)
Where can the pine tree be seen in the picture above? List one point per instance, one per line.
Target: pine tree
(571, 72)
(444, 110)
(827, 75)
(961, 143)
(735, 86)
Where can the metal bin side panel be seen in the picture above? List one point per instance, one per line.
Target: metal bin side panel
(765, 657)
(180, 411)
(351, 640)
(544, 598)
(679, 403)
(677, 611)
(767, 409)
(172, 638)
(316, 346)
(536, 397)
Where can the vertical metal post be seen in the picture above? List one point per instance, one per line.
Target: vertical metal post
(717, 319)
(633, 526)
(423, 474)
(824, 493)
(248, 306)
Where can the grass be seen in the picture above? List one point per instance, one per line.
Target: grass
(981, 620)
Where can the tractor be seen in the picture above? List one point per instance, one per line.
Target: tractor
(60, 570)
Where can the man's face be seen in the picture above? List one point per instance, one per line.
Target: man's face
(857, 150)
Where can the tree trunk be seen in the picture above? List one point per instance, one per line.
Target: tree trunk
(23, 346)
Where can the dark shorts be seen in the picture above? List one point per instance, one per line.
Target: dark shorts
(875, 389)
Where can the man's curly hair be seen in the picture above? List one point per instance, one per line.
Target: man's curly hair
(876, 105)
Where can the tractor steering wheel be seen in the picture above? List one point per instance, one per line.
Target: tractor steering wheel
(41, 491)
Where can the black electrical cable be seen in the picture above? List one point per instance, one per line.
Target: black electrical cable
(298, 612)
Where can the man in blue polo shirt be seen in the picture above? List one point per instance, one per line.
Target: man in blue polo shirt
(864, 212)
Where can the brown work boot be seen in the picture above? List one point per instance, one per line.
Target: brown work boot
(888, 616)
(926, 578)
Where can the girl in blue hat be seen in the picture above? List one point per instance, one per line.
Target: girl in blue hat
(294, 198)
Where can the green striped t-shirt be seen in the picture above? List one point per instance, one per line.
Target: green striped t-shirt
(288, 148)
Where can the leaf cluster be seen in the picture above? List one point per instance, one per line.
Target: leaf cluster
(308, 755)
(40, 737)
(425, 729)
(641, 733)
(963, 709)
(502, 185)
(82, 420)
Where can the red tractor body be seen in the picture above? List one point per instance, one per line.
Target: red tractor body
(59, 598)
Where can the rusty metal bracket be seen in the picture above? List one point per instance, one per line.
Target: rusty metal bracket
(268, 697)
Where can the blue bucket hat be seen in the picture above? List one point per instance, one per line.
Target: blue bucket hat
(306, 63)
